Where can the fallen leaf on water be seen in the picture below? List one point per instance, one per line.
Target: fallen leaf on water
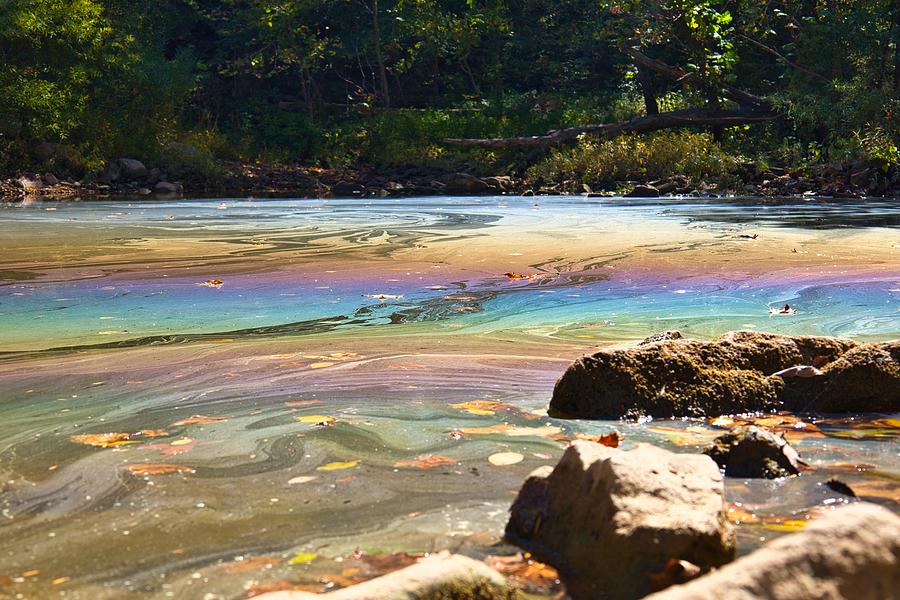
(143, 470)
(302, 558)
(252, 563)
(301, 479)
(60, 581)
(787, 526)
(320, 365)
(430, 461)
(526, 574)
(199, 420)
(153, 433)
(338, 466)
(412, 367)
(31, 573)
(212, 283)
(504, 459)
(103, 440)
(172, 449)
(611, 440)
(518, 276)
(182, 442)
(317, 419)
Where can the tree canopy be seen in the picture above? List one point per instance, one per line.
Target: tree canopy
(385, 81)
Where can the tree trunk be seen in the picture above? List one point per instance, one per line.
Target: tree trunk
(382, 72)
(652, 107)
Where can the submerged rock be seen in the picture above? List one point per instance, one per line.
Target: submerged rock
(852, 553)
(442, 576)
(734, 373)
(754, 452)
(609, 520)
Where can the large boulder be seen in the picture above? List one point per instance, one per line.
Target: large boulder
(609, 520)
(737, 372)
(442, 576)
(465, 184)
(852, 553)
(132, 169)
(754, 452)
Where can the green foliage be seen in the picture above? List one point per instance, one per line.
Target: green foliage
(633, 157)
(382, 82)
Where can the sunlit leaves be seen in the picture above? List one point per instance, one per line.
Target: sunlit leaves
(199, 420)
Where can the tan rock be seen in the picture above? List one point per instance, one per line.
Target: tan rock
(442, 576)
(609, 520)
(852, 553)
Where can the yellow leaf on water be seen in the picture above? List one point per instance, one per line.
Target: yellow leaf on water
(338, 466)
(182, 442)
(320, 365)
(788, 526)
(316, 419)
(302, 558)
(480, 412)
(504, 459)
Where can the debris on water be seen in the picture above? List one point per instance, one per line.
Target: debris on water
(785, 310)
(840, 487)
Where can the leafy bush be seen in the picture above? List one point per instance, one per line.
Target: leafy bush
(634, 157)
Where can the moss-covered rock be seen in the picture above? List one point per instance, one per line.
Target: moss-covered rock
(732, 374)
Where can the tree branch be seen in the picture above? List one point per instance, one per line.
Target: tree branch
(666, 120)
(785, 59)
(692, 79)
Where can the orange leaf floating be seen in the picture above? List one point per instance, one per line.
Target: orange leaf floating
(199, 420)
(143, 470)
(460, 298)
(518, 276)
(212, 283)
(103, 440)
(431, 461)
(611, 440)
(152, 433)
(526, 574)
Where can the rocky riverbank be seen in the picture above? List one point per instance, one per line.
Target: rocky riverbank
(131, 177)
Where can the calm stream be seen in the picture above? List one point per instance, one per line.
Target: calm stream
(281, 372)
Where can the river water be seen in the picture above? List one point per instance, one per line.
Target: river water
(278, 374)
